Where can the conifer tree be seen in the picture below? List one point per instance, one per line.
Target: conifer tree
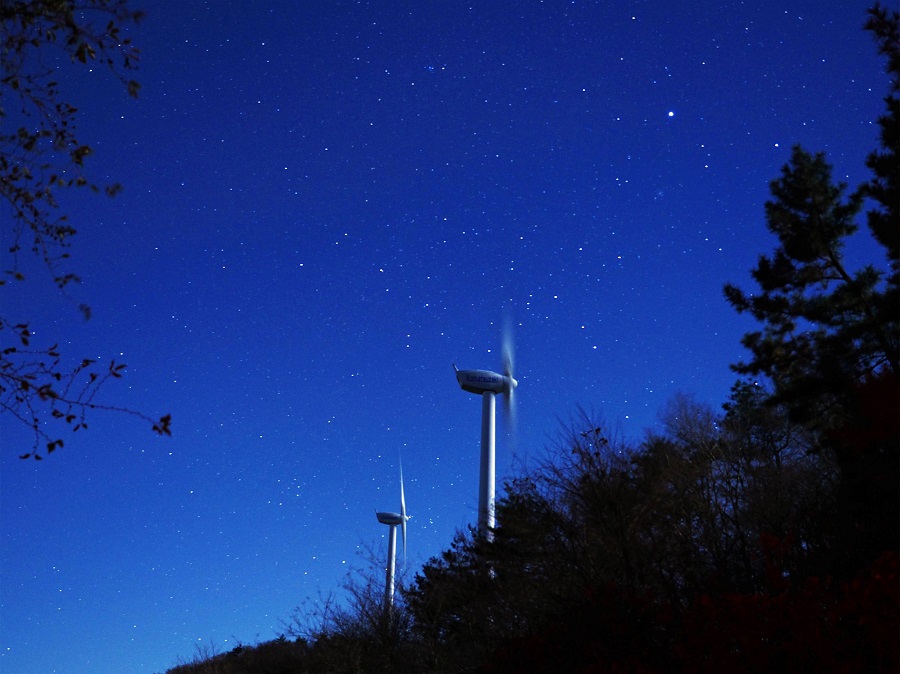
(822, 330)
(829, 337)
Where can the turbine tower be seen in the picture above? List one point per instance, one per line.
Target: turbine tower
(487, 384)
(393, 520)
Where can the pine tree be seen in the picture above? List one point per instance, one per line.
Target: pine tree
(823, 332)
(829, 337)
(884, 220)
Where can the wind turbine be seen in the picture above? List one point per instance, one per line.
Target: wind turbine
(487, 384)
(393, 520)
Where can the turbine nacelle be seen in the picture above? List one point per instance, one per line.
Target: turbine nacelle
(392, 519)
(480, 381)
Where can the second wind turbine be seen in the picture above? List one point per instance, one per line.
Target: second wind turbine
(393, 520)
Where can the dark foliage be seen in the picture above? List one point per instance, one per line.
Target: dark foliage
(272, 657)
(884, 188)
(41, 156)
(815, 626)
(829, 337)
(716, 559)
(821, 332)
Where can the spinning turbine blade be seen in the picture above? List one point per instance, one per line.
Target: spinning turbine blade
(509, 408)
(508, 349)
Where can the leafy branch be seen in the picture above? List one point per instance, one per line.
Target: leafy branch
(41, 155)
(34, 382)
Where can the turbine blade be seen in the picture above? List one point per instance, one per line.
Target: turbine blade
(508, 368)
(510, 402)
(509, 396)
(403, 516)
(507, 348)
(403, 531)
(402, 495)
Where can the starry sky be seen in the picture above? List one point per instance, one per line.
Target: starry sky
(327, 204)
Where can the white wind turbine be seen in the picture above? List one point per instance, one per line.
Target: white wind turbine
(393, 520)
(487, 384)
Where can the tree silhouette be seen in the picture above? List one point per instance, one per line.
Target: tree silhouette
(830, 335)
(884, 187)
(821, 331)
(40, 157)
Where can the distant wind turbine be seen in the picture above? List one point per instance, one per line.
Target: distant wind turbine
(487, 384)
(392, 520)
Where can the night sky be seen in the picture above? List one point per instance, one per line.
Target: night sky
(327, 204)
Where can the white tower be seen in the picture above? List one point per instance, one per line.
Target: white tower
(392, 520)
(487, 384)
